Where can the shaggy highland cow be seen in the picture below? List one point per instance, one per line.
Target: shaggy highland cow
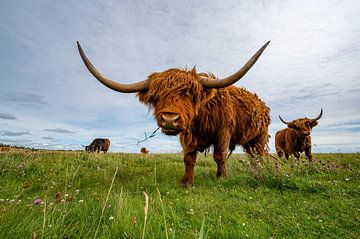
(144, 151)
(203, 110)
(296, 138)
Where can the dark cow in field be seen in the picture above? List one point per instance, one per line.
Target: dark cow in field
(296, 138)
(203, 110)
(98, 145)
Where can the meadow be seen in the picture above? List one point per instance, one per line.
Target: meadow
(53, 194)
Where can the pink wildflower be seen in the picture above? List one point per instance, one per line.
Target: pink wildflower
(37, 201)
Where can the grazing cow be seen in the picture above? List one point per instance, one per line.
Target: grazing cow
(98, 145)
(144, 151)
(296, 138)
(203, 110)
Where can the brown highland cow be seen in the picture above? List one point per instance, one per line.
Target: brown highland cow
(203, 110)
(296, 138)
(144, 151)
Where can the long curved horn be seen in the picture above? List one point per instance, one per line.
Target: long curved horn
(124, 88)
(211, 83)
(319, 116)
(283, 120)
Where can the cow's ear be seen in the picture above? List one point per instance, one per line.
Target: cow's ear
(313, 123)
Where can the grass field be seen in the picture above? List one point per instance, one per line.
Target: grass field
(103, 196)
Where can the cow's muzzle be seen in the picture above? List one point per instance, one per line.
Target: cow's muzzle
(170, 123)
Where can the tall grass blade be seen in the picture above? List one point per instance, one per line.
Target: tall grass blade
(146, 209)
(107, 198)
(163, 212)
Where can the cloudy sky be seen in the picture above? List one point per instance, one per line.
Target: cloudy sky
(49, 100)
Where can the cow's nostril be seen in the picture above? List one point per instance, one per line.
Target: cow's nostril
(169, 119)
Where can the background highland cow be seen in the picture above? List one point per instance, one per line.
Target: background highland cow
(98, 145)
(296, 138)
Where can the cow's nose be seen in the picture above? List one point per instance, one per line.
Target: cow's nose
(170, 120)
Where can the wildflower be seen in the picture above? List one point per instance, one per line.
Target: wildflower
(133, 221)
(80, 201)
(57, 197)
(66, 195)
(77, 191)
(12, 200)
(37, 201)
(244, 224)
(191, 211)
(62, 200)
(109, 205)
(347, 179)
(111, 218)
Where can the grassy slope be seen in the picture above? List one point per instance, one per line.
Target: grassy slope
(299, 202)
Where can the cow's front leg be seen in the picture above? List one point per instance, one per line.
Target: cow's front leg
(297, 157)
(220, 157)
(189, 161)
(308, 153)
(308, 148)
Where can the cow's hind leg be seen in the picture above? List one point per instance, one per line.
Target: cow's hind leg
(258, 144)
(221, 154)
(220, 158)
(189, 161)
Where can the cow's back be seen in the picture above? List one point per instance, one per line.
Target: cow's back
(252, 116)
(235, 110)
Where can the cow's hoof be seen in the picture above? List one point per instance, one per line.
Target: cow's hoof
(185, 182)
(221, 173)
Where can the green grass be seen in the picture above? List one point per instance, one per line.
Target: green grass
(312, 201)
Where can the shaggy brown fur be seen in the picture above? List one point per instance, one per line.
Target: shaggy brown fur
(295, 139)
(222, 118)
(144, 151)
(98, 145)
